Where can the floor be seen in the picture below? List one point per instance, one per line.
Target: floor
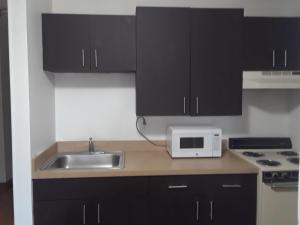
(6, 205)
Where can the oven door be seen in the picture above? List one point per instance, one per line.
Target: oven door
(279, 204)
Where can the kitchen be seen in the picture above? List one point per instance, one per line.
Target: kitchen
(73, 107)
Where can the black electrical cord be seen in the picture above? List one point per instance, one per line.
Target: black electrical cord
(141, 133)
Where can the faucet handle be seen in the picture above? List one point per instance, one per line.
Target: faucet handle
(91, 145)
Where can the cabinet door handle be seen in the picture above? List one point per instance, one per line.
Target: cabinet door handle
(98, 213)
(285, 58)
(177, 187)
(211, 210)
(197, 210)
(83, 58)
(84, 213)
(96, 58)
(231, 186)
(274, 60)
(197, 105)
(184, 105)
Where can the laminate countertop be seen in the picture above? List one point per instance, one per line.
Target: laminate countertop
(141, 159)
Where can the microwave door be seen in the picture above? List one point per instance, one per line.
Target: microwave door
(195, 147)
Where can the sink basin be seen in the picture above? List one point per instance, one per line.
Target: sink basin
(96, 160)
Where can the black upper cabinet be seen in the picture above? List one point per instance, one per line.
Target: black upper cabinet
(291, 39)
(66, 45)
(113, 43)
(271, 44)
(189, 62)
(163, 61)
(83, 43)
(216, 65)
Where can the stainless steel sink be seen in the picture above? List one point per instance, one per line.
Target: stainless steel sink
(95, 160)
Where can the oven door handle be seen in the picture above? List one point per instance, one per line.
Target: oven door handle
(284, 185)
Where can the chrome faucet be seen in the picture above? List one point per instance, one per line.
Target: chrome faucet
(91, 145)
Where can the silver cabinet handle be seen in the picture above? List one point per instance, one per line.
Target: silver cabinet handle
(285, 58)
(231, 186)
(83, 58)
(274, 56)
(84, 212)
(211, 210)
(184, 105)
(197, 105)
(96, 58)
(98, 213)
(177, 187)
(197, 210)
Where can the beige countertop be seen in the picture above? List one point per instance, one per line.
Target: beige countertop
(141, 159)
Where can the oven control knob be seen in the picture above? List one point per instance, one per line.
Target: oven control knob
(284, 175)
(275, 175)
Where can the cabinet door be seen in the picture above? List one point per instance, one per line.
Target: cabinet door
(66, 43)
(113, 41)
(216, 66)
(234, 200)
(120, 208)
(172, 201)
(292, 47)
(61, 212)
(258, 51)
(263, 44)
(163, 61)
(111, 201)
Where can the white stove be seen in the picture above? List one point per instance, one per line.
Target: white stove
(271, 159)
(277, 180)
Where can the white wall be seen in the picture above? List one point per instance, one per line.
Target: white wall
(32, 99)
(103, 105)
(252, 7)
(20, 111)
(41, 84)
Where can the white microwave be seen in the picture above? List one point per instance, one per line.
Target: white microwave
(192, 141)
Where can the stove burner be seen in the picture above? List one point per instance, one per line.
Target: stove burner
(293, 160)
(266, 162)
(253, 154)
(288, 153)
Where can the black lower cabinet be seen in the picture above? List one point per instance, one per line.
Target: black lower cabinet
(233, 200)
(171, 201)
(105, 201)
(207, 199)
(60, 212)
(164, 200)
